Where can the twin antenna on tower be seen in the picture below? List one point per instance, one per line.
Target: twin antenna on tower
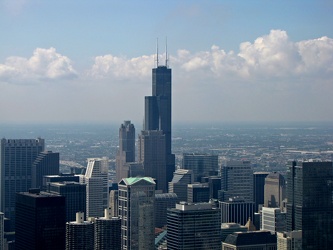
(166, 53)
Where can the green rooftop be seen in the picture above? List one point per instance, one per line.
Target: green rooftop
(133, 180)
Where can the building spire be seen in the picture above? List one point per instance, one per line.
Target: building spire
(166, 52)
(156, 52)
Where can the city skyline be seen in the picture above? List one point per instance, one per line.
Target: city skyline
(231, 61)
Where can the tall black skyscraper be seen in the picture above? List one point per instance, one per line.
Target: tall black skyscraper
(310, 205)
(158, 111)
(40, 220)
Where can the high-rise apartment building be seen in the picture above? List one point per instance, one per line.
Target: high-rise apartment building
(275, 190)
(75, 195)
(310, 205)
(136, 210)
(237, 180)
(96, 179)
(46, 163)
(40, 221)
(152, 155)
(158, 113)
(80, 233)
(107, 232)
(193, 226)
(178, 185)
(16, 158)
(202, 165)
(126, 151)
(259, 188)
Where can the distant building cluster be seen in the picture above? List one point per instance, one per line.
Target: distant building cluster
(204, 203)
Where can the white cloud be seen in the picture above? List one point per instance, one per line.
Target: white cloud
(44, 64)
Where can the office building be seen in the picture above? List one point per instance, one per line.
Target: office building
(16, 158)
(2, 230)
(136, 210)
(178, 185)
(113, 202)
(229, 228)
(259, 188)
(59, 178)
(272, 219)
(75, 195)
(96, 179)
(202, 165)
(198, 192)
(163, 201)
(132, 169)
(236, 210)
(40, 221)
(158, 112)
(193, 226)
(237, 180)
(310, 206)
(152, 155)
(258, 240)
(107, 232)
(275, 190)
(80, 233)
(46, 163)
(289, 240)
(126, 151)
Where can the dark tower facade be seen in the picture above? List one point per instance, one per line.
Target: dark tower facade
(158, 112)
(126, 152)
(310, 206)
(40, 221)
(47, 163)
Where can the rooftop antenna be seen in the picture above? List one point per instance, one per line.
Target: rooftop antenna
(166, 52)
(156, 52)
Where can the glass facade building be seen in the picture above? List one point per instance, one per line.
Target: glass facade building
(310, 203)
(193, 226)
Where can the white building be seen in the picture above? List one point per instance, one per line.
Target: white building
(96, 179)
(273, 219)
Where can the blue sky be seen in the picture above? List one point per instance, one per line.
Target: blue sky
(86, 61)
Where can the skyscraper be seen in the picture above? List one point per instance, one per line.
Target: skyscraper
(46, 163)
(40, 220)
(275, 190)
(201, 165)
(310, 206)
(152, 155)
(193, 226)
(126, 151)
(2, 230)
(178, 185)
(273, 219)
(75, 195)
(162, 203)
(237, 180)
(236, 210)
(158, 112)
(258, 188)
(16, 158)
(136, 210)
(96, 179)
